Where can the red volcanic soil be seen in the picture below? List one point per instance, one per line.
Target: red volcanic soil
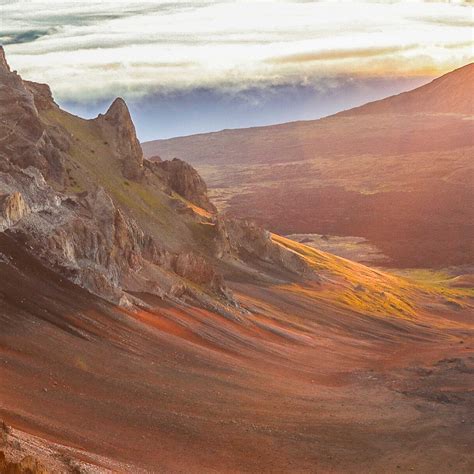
(429, 226)
(296, 386)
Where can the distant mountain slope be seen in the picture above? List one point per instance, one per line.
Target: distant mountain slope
(452, 93)
(341, 133)
(398, 172)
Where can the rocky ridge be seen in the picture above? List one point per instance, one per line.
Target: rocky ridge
(84, 236)
(23, 137)
(96, 241)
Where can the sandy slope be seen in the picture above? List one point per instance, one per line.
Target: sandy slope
(303, 384)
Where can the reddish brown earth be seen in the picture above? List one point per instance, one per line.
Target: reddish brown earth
(300, 385)
(209, 344)
(398, 172)
(407, 219)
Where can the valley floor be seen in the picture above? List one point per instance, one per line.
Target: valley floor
(297, 385)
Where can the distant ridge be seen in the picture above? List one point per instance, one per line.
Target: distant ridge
(451, 93)
(397, 172)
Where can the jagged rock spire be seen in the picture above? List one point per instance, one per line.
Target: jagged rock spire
(3, 61)
(118, 128)
(118, 110)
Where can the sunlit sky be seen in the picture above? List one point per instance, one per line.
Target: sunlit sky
(186, 67)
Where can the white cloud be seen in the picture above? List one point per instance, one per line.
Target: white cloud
(90, 50)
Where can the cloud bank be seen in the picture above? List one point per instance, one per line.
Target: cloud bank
(193, 66)
(92, 51)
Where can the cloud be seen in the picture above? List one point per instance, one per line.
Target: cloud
(24, 36)
(332, 55)
(199, 110)
(452, 22)
(142, 65)
(460, 45)
(94, 50)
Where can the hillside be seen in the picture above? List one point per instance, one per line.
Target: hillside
(143, 331)
(449, 94)
(397, 172)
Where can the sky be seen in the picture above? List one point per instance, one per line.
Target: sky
(194, 66)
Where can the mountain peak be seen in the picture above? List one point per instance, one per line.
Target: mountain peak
(118, 111)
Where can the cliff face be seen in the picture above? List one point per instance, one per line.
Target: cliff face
(25, 140)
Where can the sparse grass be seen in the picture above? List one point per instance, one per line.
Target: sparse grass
(371, 291)
(93, 162)
(203, 233)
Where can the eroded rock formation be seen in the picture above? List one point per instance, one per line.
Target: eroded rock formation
(183, 179)
(24, 139)
(118, 127)
(252, 243)
(94, 239)
(86, 236)
(12, 209)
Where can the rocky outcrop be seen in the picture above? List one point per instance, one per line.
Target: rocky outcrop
(88, 237)
(184, 180)
(93, 243)
(197, 269)
(26, 464)
(3, 61)
(4, 428)
(24, 138)
(119, 131)
(12, 209)
(155, 159)
(42, 95)
(251, 243)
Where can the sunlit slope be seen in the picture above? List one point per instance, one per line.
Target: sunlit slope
(344, 283)
(373, 292)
